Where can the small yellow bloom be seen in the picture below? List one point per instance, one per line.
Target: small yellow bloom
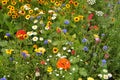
(76, 4)
(52, 1)
(81, 17)
(90, 78)
(76, 19)
(27, 17)
(13, 3)
(4, 2)
(25, 51)
(55, 50)
(67, 5)
(96, 36)
(40, 50)
(49, 69)
(57, 4)
(30, 11)
(9, 51)
(35, 46)
(79, 78)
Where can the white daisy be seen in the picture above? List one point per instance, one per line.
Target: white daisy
(34, 27)
(35, 38)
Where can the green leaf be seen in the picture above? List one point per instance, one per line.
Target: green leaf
(83, 72)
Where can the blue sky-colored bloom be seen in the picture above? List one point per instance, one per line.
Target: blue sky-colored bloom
(84, 40)
(46, 42)
(64, 30)
(66, 22)
(8, 34)
(3, 78)
(105, 48)
(85, 48)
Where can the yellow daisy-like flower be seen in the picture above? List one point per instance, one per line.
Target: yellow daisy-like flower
(30, 11)
(76, 19)
(27, 17)
(9, 51)
(35, 46)
(81, 17)
(49, 69)
(52, 1)
(90, 78)
(40, 50)
(75, 4)
(57, 4)
(13, 3)
(67, 5)
(55, 50)
(4, 2)
(21, 1)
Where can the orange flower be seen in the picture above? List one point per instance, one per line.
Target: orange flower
(63, 63)
(21, 34)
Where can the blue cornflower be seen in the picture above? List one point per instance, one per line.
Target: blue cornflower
(104, 62)
(3, 78)
(66, 22)
(85, 48)
(11, 58)
(38, 17)
(84, 40)
(8, 34)
(64, 30)
(103, 35)
(46, 42)
(105, 48)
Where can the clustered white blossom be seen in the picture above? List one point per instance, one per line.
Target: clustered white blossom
(99, 13)
(91, 2)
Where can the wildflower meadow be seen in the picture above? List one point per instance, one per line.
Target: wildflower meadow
(59, 40)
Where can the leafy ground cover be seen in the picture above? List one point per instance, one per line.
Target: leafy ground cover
(59, 40)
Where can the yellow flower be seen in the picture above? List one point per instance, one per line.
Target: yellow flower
(76, 19)
(4, 2)
(21, 0)
(79, 78)
(13, 3)
(55, 50)
(30, 11)
(35, 46)
(40, 50)
(76, 4)
(96, 36)
(57, 4)
(25, 51)
(67, 5)
(90, 78)
(9, 13)
(14, 16)
(81, 17)
(52, 1)
(27, 17)
(49, 69)
(9, 51)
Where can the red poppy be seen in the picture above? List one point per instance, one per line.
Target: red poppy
(21, 34)
(42, 62)
(90, 16)
(73, 52)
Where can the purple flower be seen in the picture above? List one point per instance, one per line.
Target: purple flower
(24, 54)
(105, 48)
(11, 58)
(8, 34)
(64, 30)
(46, 42)
(104, 62)
(103, 35)
(84, 40)
(85, 48)
(38, 17)
(3, 78)
(66, 22)
(38, 54)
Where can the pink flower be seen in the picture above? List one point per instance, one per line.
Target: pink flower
(90, 16)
